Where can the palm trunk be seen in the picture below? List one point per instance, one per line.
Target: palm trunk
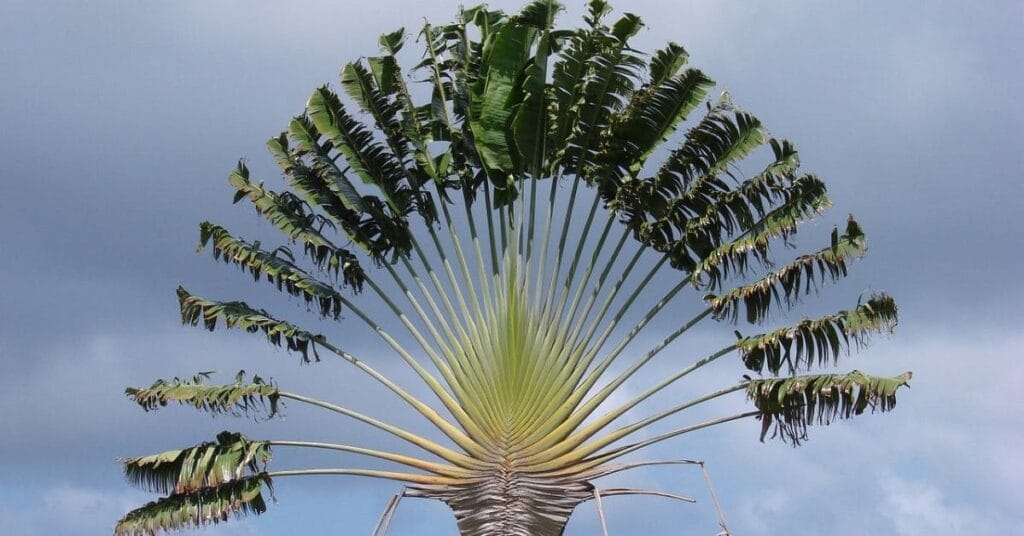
(512, 504)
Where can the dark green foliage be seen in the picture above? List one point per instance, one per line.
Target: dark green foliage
(238, 398)
(790, 405)
(651, 116)
(666, 62)
(310, 170)
(293, 218)
(206, 506)
(236, 314)
(370, 161)
(279, 268)
(818, 341)
(806, 199)
(785, 285)
(612, 74)
(214, 463)
(493, 98)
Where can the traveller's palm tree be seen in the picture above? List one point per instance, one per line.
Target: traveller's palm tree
(521, 213)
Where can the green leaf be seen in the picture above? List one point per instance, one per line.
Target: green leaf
(721, 138)
(323, 185)
(596, 10)
(236, 314)
(612, 75)
(334, 181)
(806, 198)
(364, 218)
(718, 141)
(211, 464)
(666, 63)
(279, 269)
(539, 13)
(818, 341)
(785, 285)
(495, 97)
(207, 506)
(661, 210)
(728, 211)
(568, 79)
(367, 158)
(627, 27)
(239, 398)
(529, 122)
(392, 42)
(789, 405)
(651, 117)
(377, 101)
(290, 215)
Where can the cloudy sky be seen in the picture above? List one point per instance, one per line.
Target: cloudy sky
(121, 119)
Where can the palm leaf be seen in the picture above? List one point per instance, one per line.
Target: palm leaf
(712, 267)
(236, 314)
(207, 465)
(291, 217)
(651, 117)
(666, 62)
(613, 74)
(381, 92)
(818, 341)
(785, 285)
(529, 123)
(665, 210)
(726, 212)
(368, 159)
(539, 13)
(279, 268)
(322, 177)
(314, 173)
(495, 96)
(419, 124)
(568, 78)
(206, 506)
(720, 138)
(238, 398)
(787, 406)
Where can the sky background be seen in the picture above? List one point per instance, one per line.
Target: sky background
(120, 121)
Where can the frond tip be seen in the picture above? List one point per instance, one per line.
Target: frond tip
(791, 404)
(206, 506)
(238, 398)
(213, 463)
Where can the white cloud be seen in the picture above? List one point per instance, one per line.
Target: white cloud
(920, 509)
(941, 463)
(73, 509)
(86, 506)
(761, 516)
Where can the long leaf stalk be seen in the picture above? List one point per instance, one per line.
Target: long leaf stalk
(430, 446)
(411, 478)
(416, 463)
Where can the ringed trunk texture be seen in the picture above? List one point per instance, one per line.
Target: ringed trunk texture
(512, 504)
